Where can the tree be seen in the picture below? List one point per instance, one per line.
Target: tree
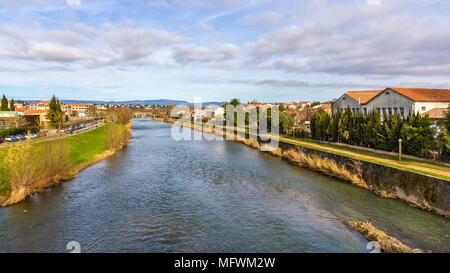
(444, 137)
(4, 104)
(54, 113)
(235, 102)
(11, 105)
(286, 123)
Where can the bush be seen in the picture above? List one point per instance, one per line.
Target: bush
(301, 133)
(18, 131)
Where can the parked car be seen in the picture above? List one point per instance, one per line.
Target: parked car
(11, 139)
(1, 140)
(21, 137)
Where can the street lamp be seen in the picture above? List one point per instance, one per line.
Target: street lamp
(399, 149)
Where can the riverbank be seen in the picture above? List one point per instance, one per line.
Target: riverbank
(387, 243)
(34, 167)
(418, 189)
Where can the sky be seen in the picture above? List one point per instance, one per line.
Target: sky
(216, 50)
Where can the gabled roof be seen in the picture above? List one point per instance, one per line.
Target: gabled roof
(363, 96)
(424, 94)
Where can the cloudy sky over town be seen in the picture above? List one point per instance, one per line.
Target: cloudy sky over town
(219, 49)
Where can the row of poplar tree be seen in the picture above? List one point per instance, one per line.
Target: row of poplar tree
(420, 135)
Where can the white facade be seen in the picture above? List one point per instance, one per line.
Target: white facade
(388, 101)
(422, 107)
(392, 102)
(344, 102)
(219, 111)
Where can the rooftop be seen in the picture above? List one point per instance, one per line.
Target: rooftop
(436, 113)
(363, 96)
(424, 94)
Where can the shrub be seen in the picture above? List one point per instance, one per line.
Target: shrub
(18, 131)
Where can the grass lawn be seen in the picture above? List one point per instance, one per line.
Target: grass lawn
(83, 149)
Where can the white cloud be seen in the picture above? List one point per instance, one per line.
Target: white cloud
(289, 65)
(263, 19)
(161, 4)
(65, 37)
(206, 27)
(133, 45)
(73, 2)
(360, 41)
(192, 53)
(374, 2)
(46, 52)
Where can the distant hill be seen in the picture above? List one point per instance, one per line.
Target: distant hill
(162, 102)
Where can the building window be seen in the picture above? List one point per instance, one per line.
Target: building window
(395, 110)
(357, 110)
(379, 110)
(384, 110)
(365, 111)
(387, 93)
(424, 108)
(3, 123)
(390, 111)
(402, 111)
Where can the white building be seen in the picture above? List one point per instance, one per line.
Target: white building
(393, 100)
(355, 100)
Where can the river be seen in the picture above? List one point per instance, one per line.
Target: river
(162, 195)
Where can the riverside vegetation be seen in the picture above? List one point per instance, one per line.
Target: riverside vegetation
(422, 137)
(33, 167)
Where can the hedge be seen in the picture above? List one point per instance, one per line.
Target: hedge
(18, 131)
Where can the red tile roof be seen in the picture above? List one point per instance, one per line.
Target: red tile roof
(32, 111)
(436, 113)
(424, 94)
(363, 96)
(20, 109)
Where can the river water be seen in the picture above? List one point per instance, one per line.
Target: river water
(162, 195)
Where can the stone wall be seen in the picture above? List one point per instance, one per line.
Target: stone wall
(419, 190)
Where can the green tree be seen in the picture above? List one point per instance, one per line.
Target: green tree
(4, 104)
(11, 105)
(418, 135)
(235, 102)
(54, 113)
(444, 137)
(286, 123)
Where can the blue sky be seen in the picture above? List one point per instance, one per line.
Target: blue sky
(220, 49)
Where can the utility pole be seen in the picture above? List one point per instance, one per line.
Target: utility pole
(400, 149)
